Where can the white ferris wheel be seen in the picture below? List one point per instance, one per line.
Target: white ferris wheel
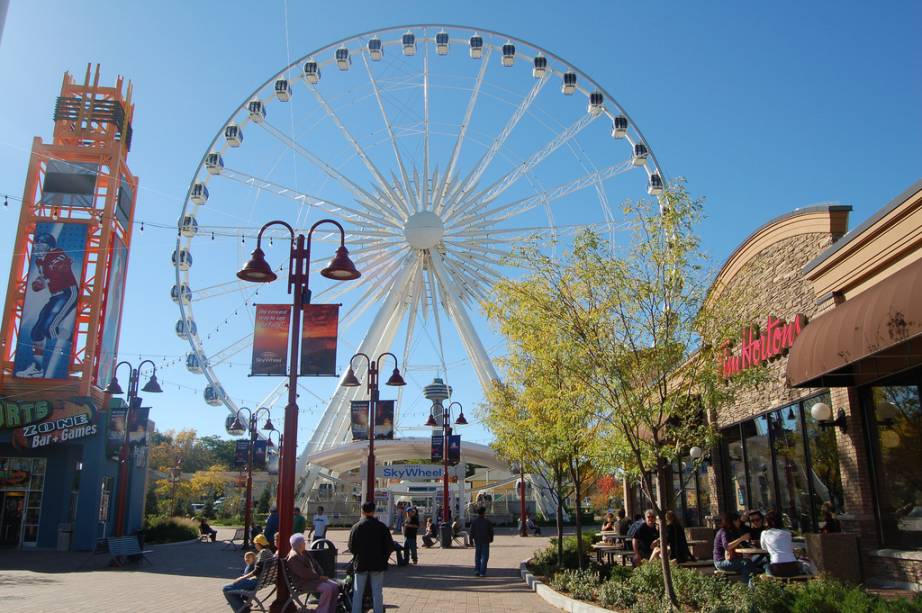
(439, 148)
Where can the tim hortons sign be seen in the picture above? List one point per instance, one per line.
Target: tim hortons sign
(758, 346)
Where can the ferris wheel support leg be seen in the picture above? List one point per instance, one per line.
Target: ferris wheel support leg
(333, 425)
(469, 337)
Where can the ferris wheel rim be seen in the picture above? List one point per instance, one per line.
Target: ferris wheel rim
(186, 310)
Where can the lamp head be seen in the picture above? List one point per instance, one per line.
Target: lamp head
(461, 421)
(350, 380)
(152, 386)
(821, 411)
(695, 453)
(431, 423)
(257, 270)
(341, 267)
(395, 379)
(114, 387)
(268, 425)
(236, 428)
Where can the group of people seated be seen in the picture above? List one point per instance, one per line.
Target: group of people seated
(431, 535)
(766, 533)
(648, 544)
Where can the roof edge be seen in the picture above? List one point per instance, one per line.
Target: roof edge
(852, 234)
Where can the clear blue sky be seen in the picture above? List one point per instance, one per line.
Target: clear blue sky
(763, 107)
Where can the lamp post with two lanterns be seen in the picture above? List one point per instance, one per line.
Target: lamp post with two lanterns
(238, 428)
(134, 403)
(445, 533)
(395, 380)
(257, 270)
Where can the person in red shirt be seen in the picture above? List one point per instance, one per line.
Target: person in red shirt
(55, 273)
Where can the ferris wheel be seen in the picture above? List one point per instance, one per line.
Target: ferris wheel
(440, 149)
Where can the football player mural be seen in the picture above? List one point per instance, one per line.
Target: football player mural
(47, 329)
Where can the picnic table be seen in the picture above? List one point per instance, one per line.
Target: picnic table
(613, 535)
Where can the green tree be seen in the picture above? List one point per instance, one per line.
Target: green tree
(636, 331)
(264, 501)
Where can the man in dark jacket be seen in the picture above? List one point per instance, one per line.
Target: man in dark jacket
(371, 545)
(482, 535)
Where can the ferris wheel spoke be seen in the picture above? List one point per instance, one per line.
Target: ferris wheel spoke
(230, 351)
(390, 133)
(436, 318)
(391, 283)
(356, 146)
(474, 262)
(495, 190)
(381, 269)
(344, 181)
(476, 247)
(462, 131)
(484, 163)
(471, 285)
(469, 338)
(352, 214)
(512, 209)
(215, 290)
(427, 205)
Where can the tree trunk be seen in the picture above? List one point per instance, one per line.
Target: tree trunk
(662, 491)
(577, 492)
(558, 482)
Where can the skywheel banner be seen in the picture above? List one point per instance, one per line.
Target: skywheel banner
(318, 340)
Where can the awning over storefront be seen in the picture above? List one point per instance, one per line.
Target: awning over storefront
(875, 334)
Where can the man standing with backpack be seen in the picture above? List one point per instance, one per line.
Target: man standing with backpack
(482, 535)
(371, 545)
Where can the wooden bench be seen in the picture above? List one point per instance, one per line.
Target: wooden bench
(607, 550)
(786, 580)
(123, 548)
(267, 578)
(230, 543)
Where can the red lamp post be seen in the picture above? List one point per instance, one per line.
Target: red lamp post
(257, 270)
(446, 432)
(134, 403)
(351, 380)
(237, 428)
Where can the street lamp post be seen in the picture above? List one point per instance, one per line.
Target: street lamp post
(257, 270)
(134, 403)
(237, 428)
(175, 474)
(445, 534)
(352, 381)
(523, 528)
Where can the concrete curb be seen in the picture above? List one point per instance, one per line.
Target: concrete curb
(555, 598)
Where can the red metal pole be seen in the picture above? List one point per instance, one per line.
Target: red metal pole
(372, 410)
(289, 444)
(445, 417)
(248, 512)
(121, 502)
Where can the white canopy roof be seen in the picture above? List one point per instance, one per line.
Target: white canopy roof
(351, 455)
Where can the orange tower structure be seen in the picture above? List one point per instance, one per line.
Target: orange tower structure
(62, 315)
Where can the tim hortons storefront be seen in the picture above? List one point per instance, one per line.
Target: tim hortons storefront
(835, 318)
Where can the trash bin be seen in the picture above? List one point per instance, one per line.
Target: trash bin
(324, 552)
(65, 531)
(445, 535)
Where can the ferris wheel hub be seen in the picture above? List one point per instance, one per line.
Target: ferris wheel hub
(424, 230)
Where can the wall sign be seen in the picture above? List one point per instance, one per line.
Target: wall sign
(18, 413)
(758, 347)
(69, 420)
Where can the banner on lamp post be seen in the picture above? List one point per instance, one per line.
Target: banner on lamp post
(454, 448)
(384, 420)
(270, 340)
(318, 340)
(438, 447)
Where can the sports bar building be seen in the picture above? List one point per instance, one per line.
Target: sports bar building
(835, 318)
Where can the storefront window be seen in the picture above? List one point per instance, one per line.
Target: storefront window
(759, 459)
(782, 460)
(826, 478)
(790, 464)
(736, 470)
(21, 483)
(897, 418)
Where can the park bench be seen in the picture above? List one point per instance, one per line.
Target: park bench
(267, 579)
(786, 580)
(231, 543)
(609, 551)
(124, 548)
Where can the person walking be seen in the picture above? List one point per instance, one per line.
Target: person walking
(299, 523)
(410, 531)
(371, 545)
(272, 525)
(482, 535)
(307, 576)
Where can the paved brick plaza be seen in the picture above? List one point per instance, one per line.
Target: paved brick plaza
(189, 578)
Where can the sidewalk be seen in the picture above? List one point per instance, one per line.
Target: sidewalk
(189, 577)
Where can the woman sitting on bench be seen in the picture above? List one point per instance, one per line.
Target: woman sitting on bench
(777, 542)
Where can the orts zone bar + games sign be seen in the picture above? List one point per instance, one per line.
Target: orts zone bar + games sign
(45, 422)
(760, 346)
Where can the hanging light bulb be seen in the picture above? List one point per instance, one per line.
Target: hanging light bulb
(142, 226)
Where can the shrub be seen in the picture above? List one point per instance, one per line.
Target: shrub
(617, 593)
(544, 561)
(581, 584)
(160, 529)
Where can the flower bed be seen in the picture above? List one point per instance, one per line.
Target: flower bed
(641, 590)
